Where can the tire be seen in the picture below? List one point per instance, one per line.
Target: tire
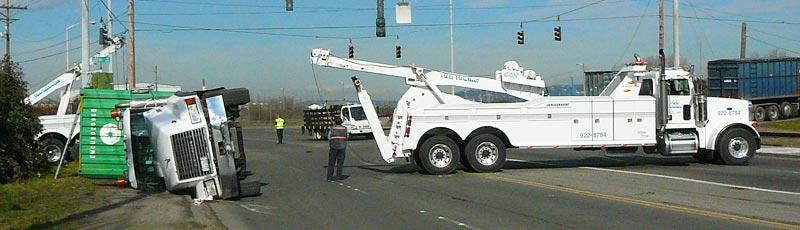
(439, 155)
(736, 147)
(773, 113)
(485, 153)
(702, 156)
(760, 113)
(52, 149)
(787, 110)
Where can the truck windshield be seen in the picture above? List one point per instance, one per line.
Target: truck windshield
(358, 113)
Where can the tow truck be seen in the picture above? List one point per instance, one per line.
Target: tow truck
(663, 111)
(55, 135)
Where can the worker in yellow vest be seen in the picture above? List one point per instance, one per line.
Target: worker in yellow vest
(279, 128)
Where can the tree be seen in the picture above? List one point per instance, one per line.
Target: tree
(20, 155)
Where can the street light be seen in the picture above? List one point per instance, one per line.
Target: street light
(66, 32)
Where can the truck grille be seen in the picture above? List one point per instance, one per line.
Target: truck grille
(191, 153)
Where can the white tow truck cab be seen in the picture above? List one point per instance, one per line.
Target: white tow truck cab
(660, 111)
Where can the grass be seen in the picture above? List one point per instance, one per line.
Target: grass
(786, 125)
(781, 141)
(44, 199)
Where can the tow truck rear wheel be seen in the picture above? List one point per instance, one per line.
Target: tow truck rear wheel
(439, 155)
(736, 147)
(773, 113)
(52, 148)
(485, 153)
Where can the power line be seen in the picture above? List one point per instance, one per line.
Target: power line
(635, 32)
(326, 10)
(114, 15)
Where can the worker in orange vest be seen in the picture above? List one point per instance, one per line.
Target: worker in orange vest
(337, 138)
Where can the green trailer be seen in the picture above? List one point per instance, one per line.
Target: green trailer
(102, 146)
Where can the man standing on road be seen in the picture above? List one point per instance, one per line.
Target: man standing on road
(337, 138)
(279, 128)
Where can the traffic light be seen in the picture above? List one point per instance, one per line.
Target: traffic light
(557, 33)
(380, 27)
(289, 5)
(350, 51)
(104, 40)
(521, 37)
(397, 52)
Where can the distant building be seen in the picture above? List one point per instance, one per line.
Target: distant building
(596, 81)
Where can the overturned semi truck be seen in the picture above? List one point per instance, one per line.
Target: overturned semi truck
(190, 141)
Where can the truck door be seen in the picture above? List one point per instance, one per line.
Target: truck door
(581, 121)
(680, 103)
(602, 119)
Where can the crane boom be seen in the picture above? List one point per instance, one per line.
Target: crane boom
(66, 79)
(512, 80)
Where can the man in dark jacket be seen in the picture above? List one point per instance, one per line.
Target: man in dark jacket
(337, 137)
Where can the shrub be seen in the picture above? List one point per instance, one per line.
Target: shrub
(20, 155)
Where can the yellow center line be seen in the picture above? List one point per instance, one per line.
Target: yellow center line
(666, 206)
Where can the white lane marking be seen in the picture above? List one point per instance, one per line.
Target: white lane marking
(674, 178)
(456, 222)
(257, 208)
(695, 181)
(451, 221)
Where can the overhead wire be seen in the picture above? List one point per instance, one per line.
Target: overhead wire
(748, 35)
(635, 33)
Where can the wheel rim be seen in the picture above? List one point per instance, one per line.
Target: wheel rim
(487, 153)
(440, 155)
(53, 153)
(738, 147)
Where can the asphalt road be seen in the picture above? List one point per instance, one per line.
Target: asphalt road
(537, 189)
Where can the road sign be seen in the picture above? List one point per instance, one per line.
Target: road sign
(101, 59)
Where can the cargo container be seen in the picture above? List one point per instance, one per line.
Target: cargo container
(771, 84)
(596, 81)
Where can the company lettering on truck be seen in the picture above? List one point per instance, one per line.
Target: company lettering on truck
(459, 77)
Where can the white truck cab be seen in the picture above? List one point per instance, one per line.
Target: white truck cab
(660, 111)
(355, 120)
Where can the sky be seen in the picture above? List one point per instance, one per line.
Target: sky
(257, 45)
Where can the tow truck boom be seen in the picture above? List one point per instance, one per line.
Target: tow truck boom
(67, 78)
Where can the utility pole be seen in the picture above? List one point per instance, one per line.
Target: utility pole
(676, 33)
(131, 47)
(155, 71)
(110, 34)
(8, 20)
(450, 10)
(743, 49)
(660, 24)
(85, 78)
